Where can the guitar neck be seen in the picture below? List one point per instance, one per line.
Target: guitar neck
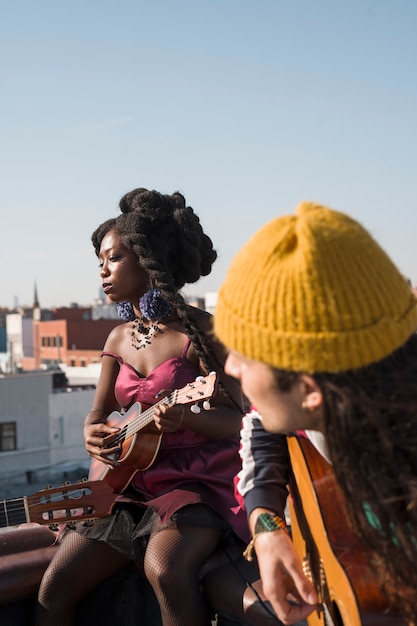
(136, 420)
(13, 512)
(56, 505)
(145, 418)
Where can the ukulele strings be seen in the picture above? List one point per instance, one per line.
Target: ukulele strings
(145, 418)
(141, 420)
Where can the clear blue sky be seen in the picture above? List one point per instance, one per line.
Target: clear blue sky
(246, 107)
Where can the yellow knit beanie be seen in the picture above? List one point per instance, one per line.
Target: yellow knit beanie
(314, 292)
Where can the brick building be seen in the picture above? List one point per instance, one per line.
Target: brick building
(72, 338)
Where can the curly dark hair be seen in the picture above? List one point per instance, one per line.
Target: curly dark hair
(371, 431)
(167, 237)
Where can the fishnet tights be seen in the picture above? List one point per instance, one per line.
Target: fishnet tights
(172, 562)
(79, 566)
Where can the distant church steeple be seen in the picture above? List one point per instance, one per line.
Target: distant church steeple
(35, 298)
(36, 308)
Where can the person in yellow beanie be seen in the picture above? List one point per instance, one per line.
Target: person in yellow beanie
(321, 331)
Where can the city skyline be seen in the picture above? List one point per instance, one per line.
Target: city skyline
(246, 108)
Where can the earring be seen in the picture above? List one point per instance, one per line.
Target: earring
(306, 407)
(125, 311)
(153, 305)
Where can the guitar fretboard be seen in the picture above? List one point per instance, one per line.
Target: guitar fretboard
(13, 512)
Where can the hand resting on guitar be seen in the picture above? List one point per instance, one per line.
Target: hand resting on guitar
(172, 468)
(263, 485)
(320, 325)
(167, 419)
(97, 435)
(290, 593)
(94, 436)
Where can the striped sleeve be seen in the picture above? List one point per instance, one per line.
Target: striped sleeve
(263, 479)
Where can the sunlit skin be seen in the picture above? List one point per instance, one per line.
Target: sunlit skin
(120, 272)
(123, 279)
(290, 593)
(282, 412)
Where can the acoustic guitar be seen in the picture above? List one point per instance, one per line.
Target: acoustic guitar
(347, 587)
(55, 505)
(138, 450)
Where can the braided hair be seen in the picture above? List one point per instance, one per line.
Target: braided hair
(167, 237)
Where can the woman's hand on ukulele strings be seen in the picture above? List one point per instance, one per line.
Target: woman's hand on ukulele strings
(168, 419)
(96, 442)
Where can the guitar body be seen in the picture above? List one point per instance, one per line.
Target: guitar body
(137, 449)
(137, 452)
(348, 588)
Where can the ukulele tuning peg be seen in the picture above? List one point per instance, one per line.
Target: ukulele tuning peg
(206, 405)
(53, 526)
(199, 379)
(195, 408)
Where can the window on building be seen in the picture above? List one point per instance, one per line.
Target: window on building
(8, 436)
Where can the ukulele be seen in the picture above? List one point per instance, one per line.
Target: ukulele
(66, 504)
(138, 450)
(348, 589)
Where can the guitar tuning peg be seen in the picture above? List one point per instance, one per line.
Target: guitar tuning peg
(53, 526)
(195, 408)
(206, 405)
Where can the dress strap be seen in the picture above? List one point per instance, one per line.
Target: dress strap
(114, 355)
(185, 349)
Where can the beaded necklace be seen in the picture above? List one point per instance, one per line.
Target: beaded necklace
(142, 334)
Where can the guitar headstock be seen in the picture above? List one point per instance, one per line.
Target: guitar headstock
(200, 389)
(85, 500)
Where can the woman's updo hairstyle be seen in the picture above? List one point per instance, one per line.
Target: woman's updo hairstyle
(166, 235)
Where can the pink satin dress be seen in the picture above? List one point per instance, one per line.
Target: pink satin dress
(189, 468)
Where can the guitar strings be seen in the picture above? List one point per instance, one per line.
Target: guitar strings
(14, 511)
(40, 499)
